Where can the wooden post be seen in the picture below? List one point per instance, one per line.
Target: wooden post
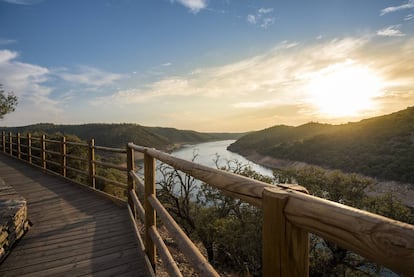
(18, 147)
(285, 246)
(92, 167)
(150, 215)
(3, 139)
(10, 143)
(63, 155)
(29, 148)
(131, 181)
(43, 151)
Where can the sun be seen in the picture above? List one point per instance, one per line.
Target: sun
(344, 89)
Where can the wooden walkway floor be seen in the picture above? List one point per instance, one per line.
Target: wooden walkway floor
(75, 232)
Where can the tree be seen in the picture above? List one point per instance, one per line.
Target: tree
(7, 102)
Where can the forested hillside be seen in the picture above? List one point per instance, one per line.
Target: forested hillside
(381, 146)
(117, 135)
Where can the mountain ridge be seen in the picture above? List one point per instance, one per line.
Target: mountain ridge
(381, 146)
(119, 134)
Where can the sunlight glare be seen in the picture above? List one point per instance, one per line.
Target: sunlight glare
(344, 89)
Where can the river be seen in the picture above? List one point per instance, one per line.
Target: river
(208, 151)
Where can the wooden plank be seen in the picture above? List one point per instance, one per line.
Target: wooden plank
(38, 257)
(380, 239)
(75, 232)
(285, 247)
(150, 215)
(191, 252)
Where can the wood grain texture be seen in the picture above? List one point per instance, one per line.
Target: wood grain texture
(75, 232)
(380, 239)
(150, 215)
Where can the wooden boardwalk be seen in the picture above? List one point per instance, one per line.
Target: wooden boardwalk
(75, 232)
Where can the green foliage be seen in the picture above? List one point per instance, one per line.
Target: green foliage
(231, 230)
(118, 135)
(326, 258)
(381, 147)
(7, 102)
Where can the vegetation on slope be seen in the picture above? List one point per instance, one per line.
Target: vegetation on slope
(117, 135)
(382, 146)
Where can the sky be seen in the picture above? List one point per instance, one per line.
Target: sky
(206, 65)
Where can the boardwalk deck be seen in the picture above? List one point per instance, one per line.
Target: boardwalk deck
(75, 232)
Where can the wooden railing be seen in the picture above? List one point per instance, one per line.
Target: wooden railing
(35, 151)
(289, 213)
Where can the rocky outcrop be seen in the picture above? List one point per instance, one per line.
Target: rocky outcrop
(13, 218)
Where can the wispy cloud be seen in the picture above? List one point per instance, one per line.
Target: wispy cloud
(89, 76)
(23, 2)
(391, 31)
(27, 81)
(271, 88)
(409, 17)
(166, 64)
(265, 11)
(251, 19)
(262, 17)
(4, 41)
(407, 5)
(194, 5)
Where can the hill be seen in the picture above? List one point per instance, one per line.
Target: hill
(117, 135)
(381, 147)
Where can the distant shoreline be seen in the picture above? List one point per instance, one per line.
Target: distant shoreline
(402, 191)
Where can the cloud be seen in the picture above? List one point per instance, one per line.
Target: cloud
(391, 31)
(265, 76)
(23, 2)
(167, 64)
(194, 5)
(7, 41)
(264, 11)
(270, 88)
(251, 19)
(267, 22)
(409, 17)
(89, 76)
(27, 81)
(408, 5)
(261, 18)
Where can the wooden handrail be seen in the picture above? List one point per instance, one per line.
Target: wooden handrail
(110, 165)
(109, 149)
(165, 254)
(242, 187)
(191, 252)
(382, 240)
(288, 213)
(13, 145)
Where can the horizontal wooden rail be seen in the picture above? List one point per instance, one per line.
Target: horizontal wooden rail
(139, 182)
(76, 143)
(109, 165)
(111, 182)
(52, 162)
(138, 206)
(197, 260)
(77, 170)
(242, 187)
(165, 254)
(40, 150)
(53, 152)
(52, 141)
(108, 149)
(76, 158)
(382, 240)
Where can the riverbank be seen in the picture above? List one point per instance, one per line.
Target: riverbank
(402, 191)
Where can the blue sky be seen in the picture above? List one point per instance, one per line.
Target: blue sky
(206, 65)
